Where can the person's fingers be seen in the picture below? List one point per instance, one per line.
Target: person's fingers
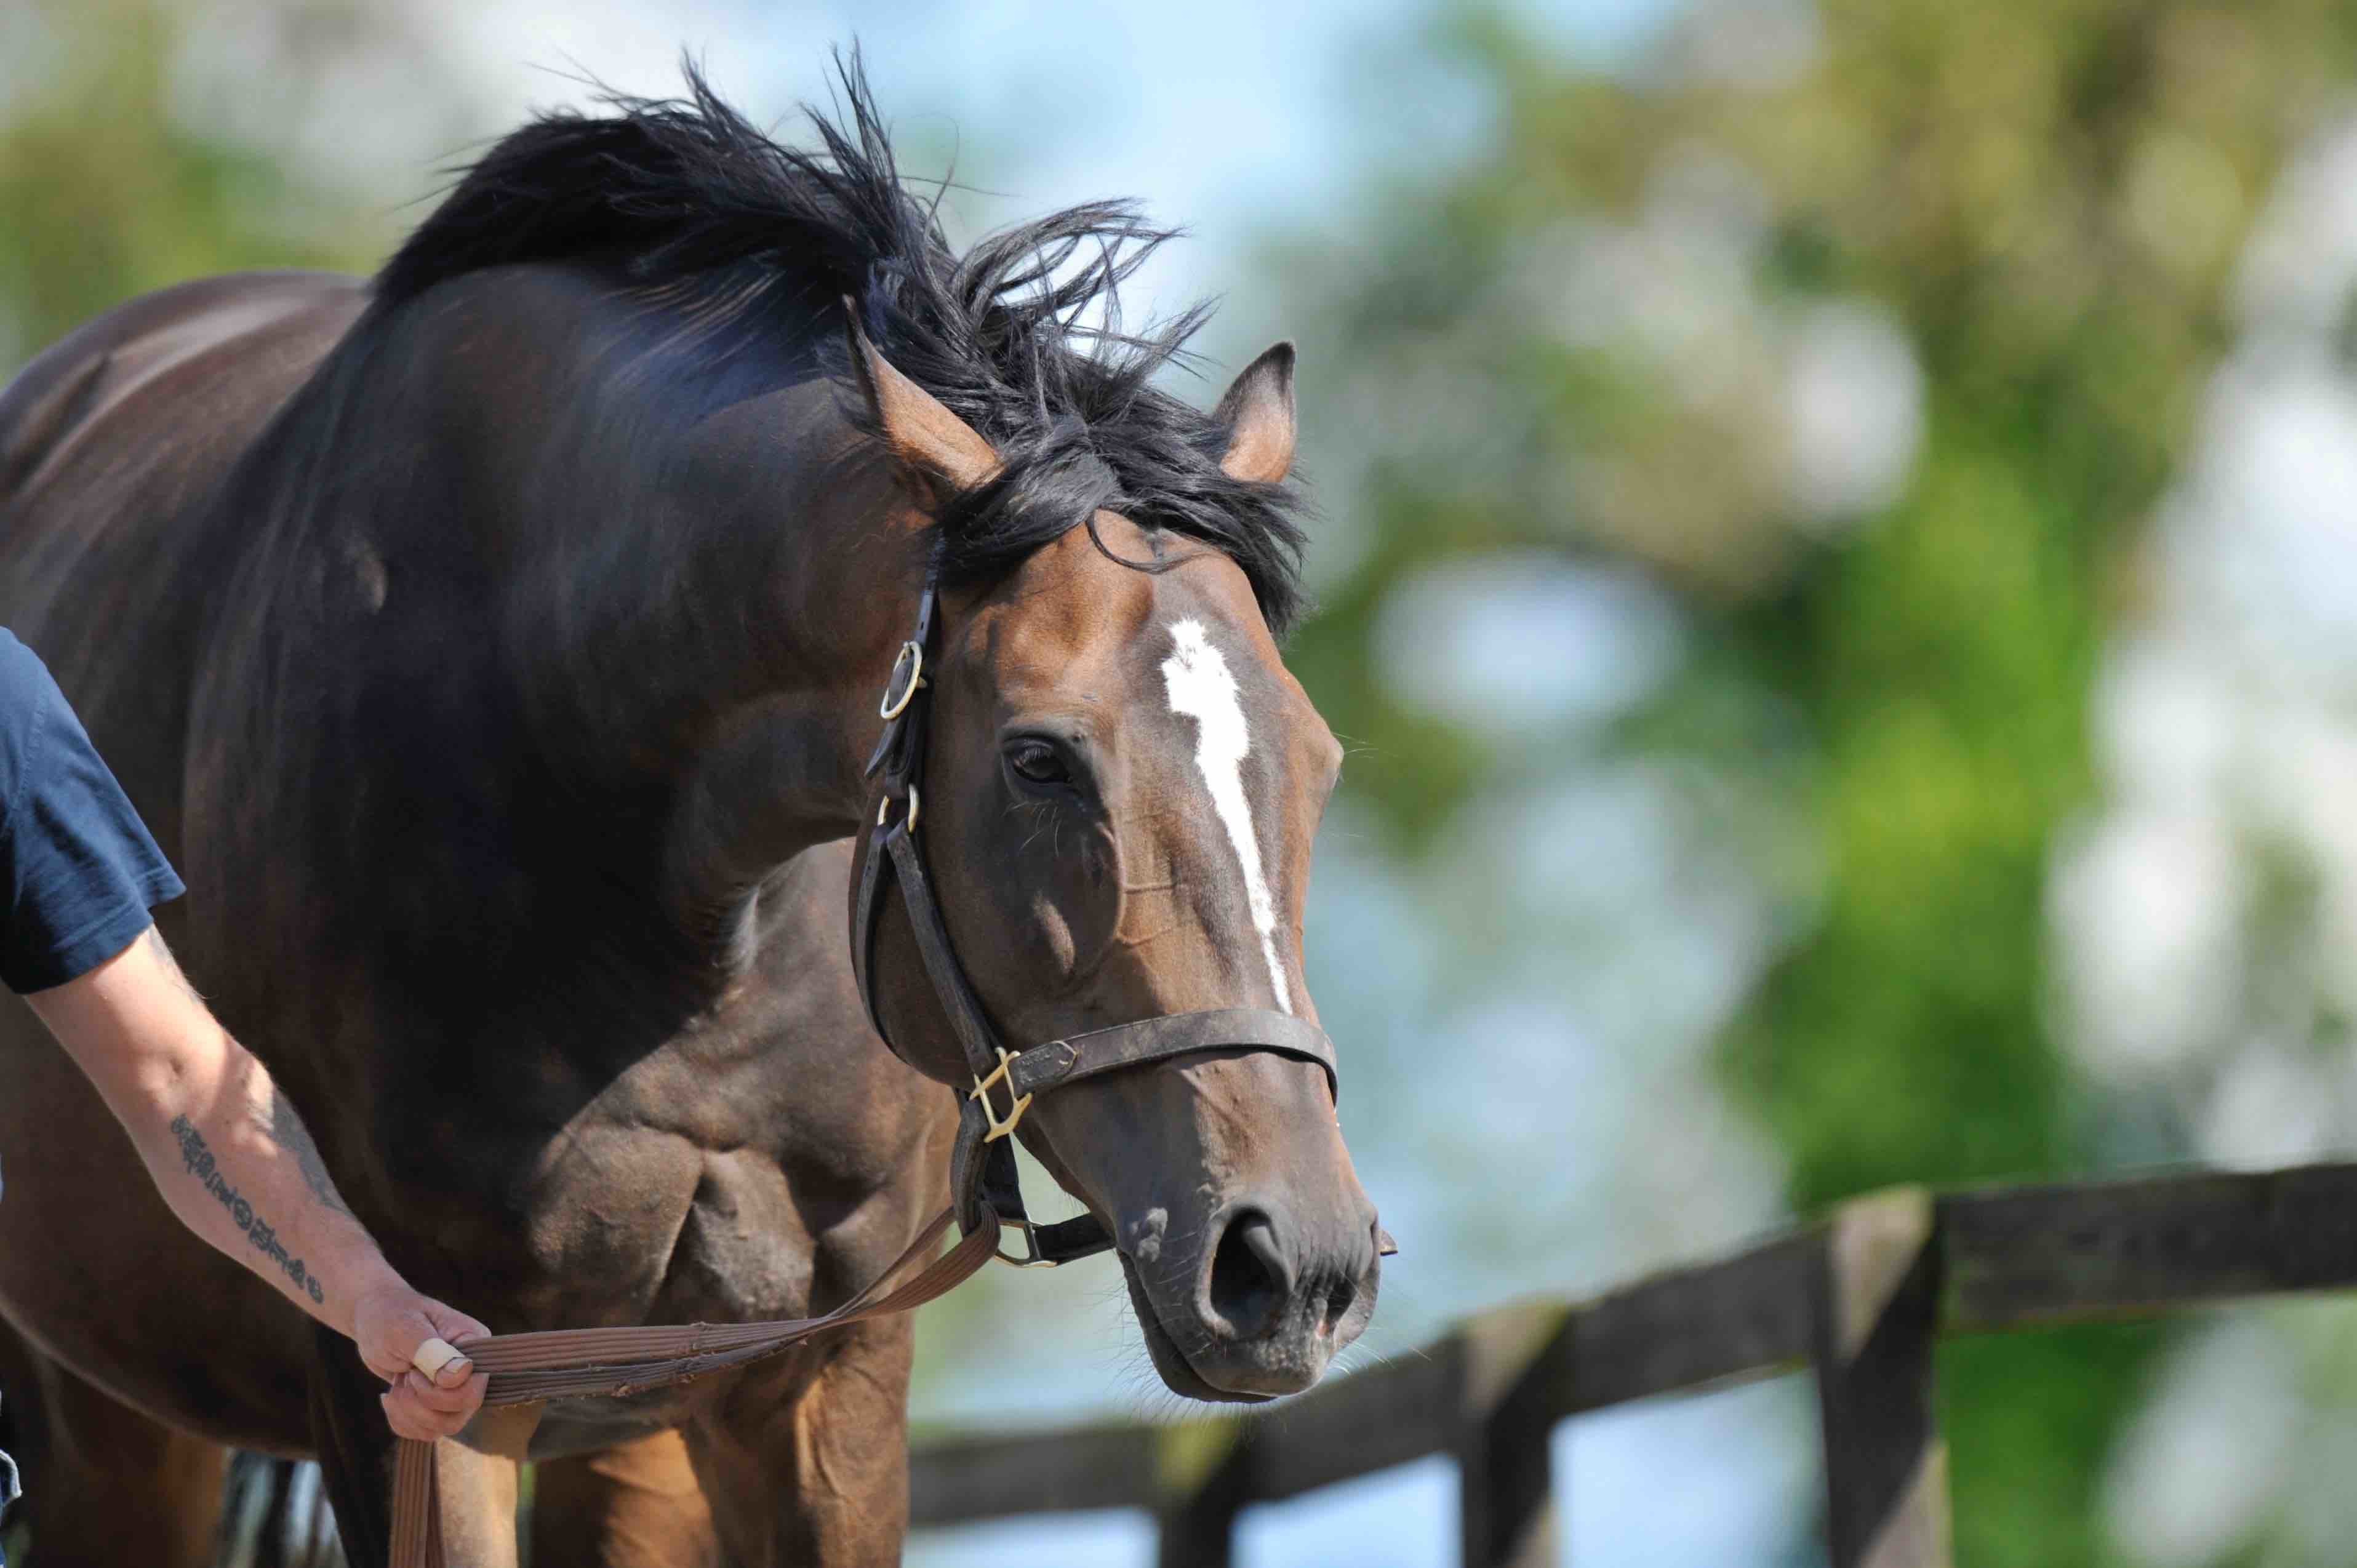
(453, 1324)
(442, 1363)
(453, 1328)
(388, 1340)
(459, 1400)
(401, 1415)
(392, 1334)
(409, 1415)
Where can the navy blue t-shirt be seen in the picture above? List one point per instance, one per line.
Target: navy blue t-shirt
(78, 870)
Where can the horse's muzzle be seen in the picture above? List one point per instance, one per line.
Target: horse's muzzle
(1260, 1307)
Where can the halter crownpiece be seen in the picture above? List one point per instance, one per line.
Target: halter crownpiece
(983, 1173)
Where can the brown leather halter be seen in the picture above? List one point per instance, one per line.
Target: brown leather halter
(986, 1188)
(982, 1174)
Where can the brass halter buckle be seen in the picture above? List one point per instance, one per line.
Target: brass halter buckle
(1034, 1259)
(999, 1126)
(900, 692)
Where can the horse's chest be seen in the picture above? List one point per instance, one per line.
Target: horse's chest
(703, 1185)
(630, 1216)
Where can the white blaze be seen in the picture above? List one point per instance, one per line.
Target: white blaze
(1202, 688)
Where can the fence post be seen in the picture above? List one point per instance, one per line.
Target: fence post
(1197, 1528)
(1875, 1319)
(1504, 1420)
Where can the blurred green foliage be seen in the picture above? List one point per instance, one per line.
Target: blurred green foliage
(2047, 200)
(106, 189)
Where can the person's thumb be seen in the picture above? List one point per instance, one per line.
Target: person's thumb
(453, 1328)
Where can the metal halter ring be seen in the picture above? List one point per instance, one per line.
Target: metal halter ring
(999, 1126)
(916, 805)
(913, 656)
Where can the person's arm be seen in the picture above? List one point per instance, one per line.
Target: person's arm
(231, 1157)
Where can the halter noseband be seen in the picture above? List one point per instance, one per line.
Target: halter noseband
(982, 1165)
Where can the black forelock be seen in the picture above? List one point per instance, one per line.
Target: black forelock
(685, 201)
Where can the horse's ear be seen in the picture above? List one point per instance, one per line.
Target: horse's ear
(941, 448)
(1258, 413)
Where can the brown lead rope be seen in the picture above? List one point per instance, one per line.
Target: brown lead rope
(567, 1363)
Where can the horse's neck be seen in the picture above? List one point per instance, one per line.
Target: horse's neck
(728, 636)
(665, 638)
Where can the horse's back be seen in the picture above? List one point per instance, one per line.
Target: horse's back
(79, 381)
(116, 435)
(240, 343)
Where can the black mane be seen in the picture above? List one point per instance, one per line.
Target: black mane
(685, 201)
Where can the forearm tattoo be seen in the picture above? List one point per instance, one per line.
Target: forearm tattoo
(279, 1120)
(286, 1130)
(197, 1157)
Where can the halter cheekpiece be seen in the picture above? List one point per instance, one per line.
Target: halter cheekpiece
(983, 1173)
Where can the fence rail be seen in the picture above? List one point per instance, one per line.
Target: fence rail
(1862, 1294)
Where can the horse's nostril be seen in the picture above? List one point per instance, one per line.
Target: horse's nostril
(1250, 1276)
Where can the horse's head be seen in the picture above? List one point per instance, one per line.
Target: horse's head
(1120, 788)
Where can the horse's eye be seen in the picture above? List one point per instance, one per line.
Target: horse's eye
(1039, 762)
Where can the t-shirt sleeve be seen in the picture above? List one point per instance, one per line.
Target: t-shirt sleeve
(78, 869)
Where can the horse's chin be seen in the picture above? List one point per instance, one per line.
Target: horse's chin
(1179, 1375)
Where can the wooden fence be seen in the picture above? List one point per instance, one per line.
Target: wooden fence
(1862, 1295)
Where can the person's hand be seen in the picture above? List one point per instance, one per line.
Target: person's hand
(389, 1323)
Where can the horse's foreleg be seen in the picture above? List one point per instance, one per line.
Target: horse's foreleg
(806, 1460)
(105, 1485)
(478, 1486)
(635, 1505)
(355, 1448)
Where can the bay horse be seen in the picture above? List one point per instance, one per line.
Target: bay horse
(496, 644)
